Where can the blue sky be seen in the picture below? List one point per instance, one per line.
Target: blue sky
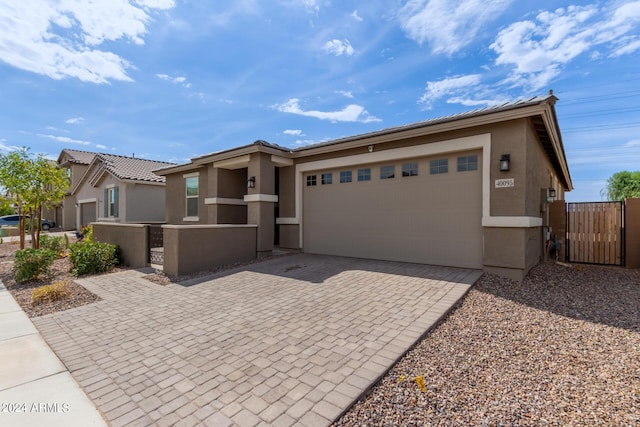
(173, 79)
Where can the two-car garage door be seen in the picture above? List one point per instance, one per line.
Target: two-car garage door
(425, 210)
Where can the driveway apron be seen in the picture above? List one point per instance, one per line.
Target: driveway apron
(293, 340)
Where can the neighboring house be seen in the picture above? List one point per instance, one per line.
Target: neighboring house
(110, 188)
(434, 192)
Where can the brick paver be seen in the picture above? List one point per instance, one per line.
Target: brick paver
(289, 341)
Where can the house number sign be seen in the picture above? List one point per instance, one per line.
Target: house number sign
(505, 183)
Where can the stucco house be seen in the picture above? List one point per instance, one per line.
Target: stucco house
(469, 190)
(111, 188)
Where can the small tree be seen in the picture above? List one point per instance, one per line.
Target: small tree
(14, 178)
(48, 187)
(622, 185)
(6, 208)
(31, 184)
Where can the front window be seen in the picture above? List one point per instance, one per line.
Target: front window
(327, 178)
(111, 202)
(311, 180)
(192, 196)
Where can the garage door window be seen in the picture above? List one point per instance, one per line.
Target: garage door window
(327, 178)
(410, 169)
(387, 172)
(439, 166)
(311, 180)
(364, 174)
(467, 163)
(345, 176)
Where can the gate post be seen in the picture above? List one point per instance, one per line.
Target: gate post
(558, 224)
(632, 233)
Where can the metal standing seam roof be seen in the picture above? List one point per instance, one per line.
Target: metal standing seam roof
(443, 119)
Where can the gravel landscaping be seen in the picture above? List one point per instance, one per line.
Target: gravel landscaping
(560, 348)
(60, 271)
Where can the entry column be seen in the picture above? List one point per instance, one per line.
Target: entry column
(261, 198)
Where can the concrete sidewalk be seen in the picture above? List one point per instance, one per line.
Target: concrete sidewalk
(36, 389)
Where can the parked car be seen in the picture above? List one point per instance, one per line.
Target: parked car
(13, 220)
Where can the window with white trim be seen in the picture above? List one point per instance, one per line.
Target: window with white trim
(112, 202)
(327, 178)
(192, 192)
(311, 180)
(345, 176)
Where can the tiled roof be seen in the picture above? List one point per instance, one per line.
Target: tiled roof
(79, 156)
(133, 168)
(122, 167)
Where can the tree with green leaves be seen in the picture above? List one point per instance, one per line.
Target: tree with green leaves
(6, 207)
(31, 184)
(622, 185)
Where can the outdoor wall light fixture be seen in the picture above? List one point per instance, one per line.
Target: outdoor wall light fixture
(251, 182)
(76, 205)
(504, 162)
(551, 195)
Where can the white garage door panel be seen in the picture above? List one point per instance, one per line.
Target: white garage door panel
(433, 219)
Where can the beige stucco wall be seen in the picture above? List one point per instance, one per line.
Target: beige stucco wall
(69, 214)
(143, 202)
(130, 238)
(287, 196)
(189, 249)
(175, 207)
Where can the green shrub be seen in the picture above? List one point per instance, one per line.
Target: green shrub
(50, 293)
(92, 257)
(33, 263)
(87, 233)
(55, 243)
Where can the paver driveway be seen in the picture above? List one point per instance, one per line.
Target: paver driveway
(289, 341)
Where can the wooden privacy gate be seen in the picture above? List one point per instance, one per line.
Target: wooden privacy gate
(595, 233)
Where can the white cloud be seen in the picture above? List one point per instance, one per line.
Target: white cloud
(181, 80)
(74, 120)
(436, 90)
(355, 16)
(538, 50)
(448, 25)
(293, 132)
(345, 93)
(350, 113)
(468, 90)
(64, 139)
(59, 39)
(5, 147)
(339, 47)
(632, 143)
(101, 147)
